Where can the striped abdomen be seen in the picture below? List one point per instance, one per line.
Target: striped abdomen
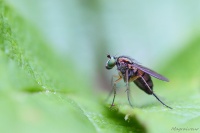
(141, 84)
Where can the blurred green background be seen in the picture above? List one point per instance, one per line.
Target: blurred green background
(52, 65)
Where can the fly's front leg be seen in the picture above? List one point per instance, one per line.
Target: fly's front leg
(112, 84)
(114, 88)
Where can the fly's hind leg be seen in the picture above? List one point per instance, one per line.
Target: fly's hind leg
(155, 94)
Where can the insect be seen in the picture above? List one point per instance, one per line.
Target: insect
(130, 71)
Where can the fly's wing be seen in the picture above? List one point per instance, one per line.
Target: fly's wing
(150, 72)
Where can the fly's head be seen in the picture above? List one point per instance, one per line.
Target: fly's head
(111, 62)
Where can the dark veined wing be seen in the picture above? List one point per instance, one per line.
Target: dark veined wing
(150, 72)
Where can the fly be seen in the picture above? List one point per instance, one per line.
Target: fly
(130, 71)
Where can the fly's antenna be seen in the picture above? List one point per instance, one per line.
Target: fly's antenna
(108, 55)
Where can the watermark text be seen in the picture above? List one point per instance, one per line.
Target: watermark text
(180, 129)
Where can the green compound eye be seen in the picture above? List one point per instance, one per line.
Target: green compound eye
(110, 63)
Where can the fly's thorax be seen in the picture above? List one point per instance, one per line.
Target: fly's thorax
(124, 59)
(131, 75)
(122, 67)
(123, 64)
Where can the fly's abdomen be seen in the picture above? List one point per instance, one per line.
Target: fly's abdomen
(142, 85)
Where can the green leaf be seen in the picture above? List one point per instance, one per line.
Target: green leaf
(41, 92)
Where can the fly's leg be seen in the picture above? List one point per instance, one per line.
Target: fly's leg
(114, 88)
(112, 84)
(161, 101)
(128, 93)
(155, 94)
(111, 89)
(128, 88)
